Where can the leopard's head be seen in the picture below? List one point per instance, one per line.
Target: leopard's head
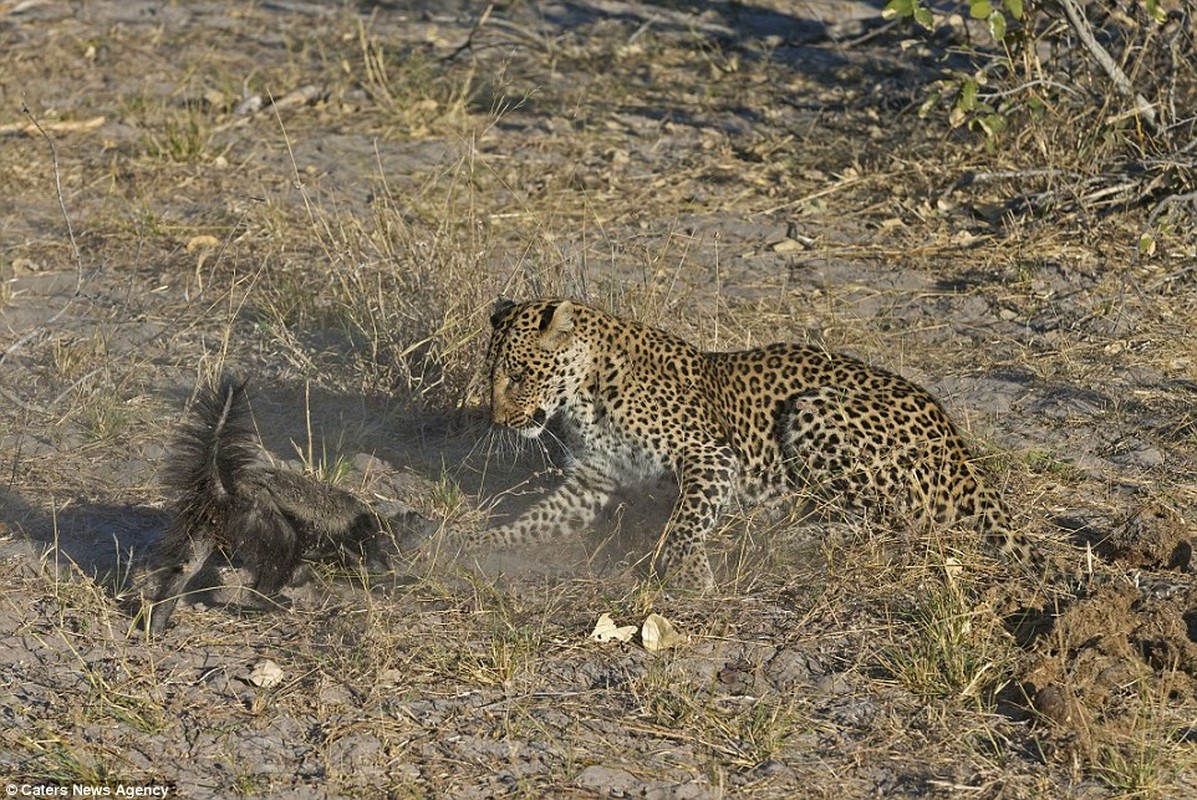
(532, 360)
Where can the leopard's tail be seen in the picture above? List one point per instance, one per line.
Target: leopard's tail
(995, 524)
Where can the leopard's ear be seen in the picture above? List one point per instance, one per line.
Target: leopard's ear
(500, 311)
(557, 325)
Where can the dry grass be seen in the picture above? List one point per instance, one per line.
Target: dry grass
(343, 248)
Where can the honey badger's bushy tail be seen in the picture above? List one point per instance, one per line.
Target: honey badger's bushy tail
(212, 473)
(271, 517)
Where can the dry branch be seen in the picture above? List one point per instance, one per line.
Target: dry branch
(1076, 18)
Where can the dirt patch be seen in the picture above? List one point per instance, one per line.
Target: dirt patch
(1122, 657)
(328, 198)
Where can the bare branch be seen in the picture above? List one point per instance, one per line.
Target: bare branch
(1076, 17)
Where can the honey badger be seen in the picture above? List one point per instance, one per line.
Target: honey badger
(228, 500)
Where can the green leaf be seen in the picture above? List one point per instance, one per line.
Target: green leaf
(997, 26)
(968, 95)
(993, 124)
(931, 101)
(898, 8)
(1147, 244)
(1015, 8)
(923, 17)
(1154, 11)
(980, 9)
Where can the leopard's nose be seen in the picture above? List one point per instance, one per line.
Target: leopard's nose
(539, 417)
(498, 416)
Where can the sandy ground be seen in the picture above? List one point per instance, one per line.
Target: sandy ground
(327, 199)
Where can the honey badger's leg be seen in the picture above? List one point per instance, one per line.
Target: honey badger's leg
(190, 553)
(265, 539)
(361, 542)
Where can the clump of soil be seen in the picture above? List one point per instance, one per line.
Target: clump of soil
(1155, 536)
(1123, 653)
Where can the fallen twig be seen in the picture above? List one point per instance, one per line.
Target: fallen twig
(65, 126)
(1168, 202)
(20, 342)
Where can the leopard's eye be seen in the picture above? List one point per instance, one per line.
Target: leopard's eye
(515, 378)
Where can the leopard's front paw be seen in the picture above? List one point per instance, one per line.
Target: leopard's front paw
(687, 571)
(490, 538)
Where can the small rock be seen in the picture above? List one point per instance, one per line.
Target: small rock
(834, 683)
(736, 677)
(1054, 704)
(607, 780)
(788, 245)
(774, 768)
(788, 670)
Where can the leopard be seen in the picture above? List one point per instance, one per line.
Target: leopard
(637, 403)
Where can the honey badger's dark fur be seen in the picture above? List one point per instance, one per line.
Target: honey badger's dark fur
(227, 500)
